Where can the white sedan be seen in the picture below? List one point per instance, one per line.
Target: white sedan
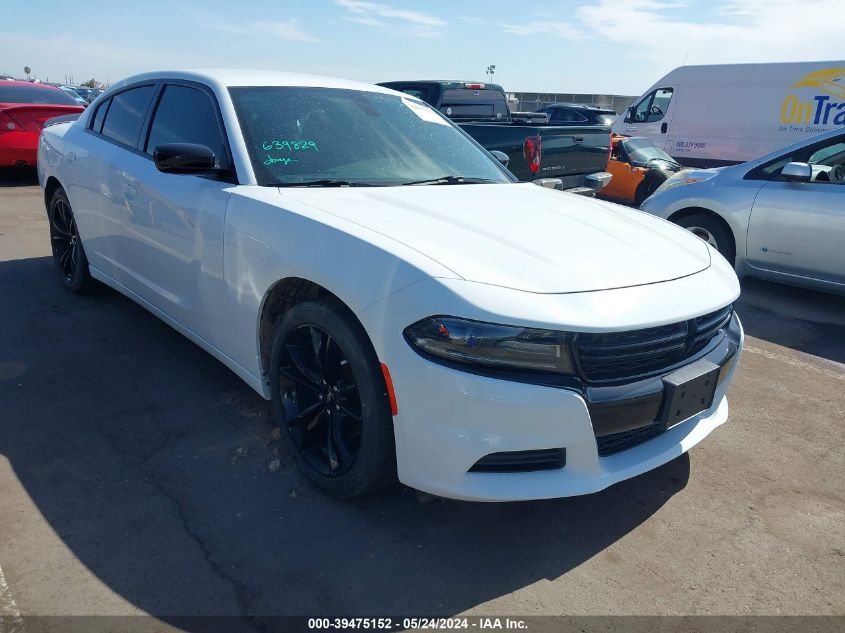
(408, 307)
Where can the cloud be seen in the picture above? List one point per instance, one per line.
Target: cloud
(542, 27)
(737, 31)
(378, 15)
(288, 30)
(566, 30)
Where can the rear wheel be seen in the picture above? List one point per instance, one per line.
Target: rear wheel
(329, 393)
(712, 231)
(68, 253)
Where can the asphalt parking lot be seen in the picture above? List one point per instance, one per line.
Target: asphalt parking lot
(134, 479)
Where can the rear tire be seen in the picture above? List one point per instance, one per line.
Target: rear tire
(329, 393)
(68, 252)
(712, 231)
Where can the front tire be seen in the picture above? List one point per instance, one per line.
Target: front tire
(329, 393)
(712, 231)
(68, 253)
(653, 179)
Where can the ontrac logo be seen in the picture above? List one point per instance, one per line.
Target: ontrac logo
(824, 109)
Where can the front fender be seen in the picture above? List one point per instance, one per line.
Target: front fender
(265, 242)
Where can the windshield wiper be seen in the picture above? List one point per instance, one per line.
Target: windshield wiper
(326, 182)
(450, 180)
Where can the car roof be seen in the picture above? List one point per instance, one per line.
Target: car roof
(228, 78)
(458, 83)
(585, 106)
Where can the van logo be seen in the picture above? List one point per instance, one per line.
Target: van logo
(823, 109)
(775, 251)
(830, 80)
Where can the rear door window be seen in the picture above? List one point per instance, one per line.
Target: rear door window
(187, 115)
(126, 115)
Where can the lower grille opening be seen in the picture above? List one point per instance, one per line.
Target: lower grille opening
(521, 461)
(618, 442)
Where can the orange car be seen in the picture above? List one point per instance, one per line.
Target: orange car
(638, 169)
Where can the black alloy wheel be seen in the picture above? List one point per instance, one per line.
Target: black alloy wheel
(330, 393)
(322, 405)
(68, 253)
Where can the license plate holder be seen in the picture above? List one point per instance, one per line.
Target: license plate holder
(688, 391)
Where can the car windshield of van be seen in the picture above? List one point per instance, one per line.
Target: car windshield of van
(302, 136)
(641, 152)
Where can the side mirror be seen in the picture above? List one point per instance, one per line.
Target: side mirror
(797, 172)
(501, 157)
(183, 158)
(629, 115)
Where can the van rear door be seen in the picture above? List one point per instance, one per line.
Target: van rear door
(651, 116)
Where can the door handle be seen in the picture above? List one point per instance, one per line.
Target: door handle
(130, 191)
(578, 139)
(664, 128)
(71, 157)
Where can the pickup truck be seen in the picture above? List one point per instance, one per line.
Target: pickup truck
(572, 158)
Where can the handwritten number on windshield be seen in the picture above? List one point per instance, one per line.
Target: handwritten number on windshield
(291, 146)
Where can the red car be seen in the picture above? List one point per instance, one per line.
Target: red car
(24, 108)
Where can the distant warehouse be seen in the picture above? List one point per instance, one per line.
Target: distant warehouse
(533, 101)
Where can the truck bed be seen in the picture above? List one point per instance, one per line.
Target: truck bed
(568, 153)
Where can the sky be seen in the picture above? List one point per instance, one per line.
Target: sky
(594, 46)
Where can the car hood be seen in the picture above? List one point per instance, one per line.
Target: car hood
(520, 235)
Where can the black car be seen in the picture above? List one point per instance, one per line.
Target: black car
(578, 114)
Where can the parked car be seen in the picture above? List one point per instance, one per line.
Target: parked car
(406, 305)
(578, 114)
(24, 108)
(89, 94)
(75, 95)
(780, 217)
(638, 169)
(709, 116)
(535, 150)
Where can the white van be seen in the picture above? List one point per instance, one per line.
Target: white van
(706, 116)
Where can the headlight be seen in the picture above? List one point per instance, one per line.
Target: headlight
(490, 345)
(686, 177)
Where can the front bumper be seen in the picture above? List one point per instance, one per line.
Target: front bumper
(449, 419)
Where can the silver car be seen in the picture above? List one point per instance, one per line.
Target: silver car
(780, 217)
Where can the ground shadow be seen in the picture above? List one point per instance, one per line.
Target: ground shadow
(805, 320)
(18, 177)
(149, 460)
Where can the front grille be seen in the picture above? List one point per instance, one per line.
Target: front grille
(521, 461)
(618, 442)
(634, 353)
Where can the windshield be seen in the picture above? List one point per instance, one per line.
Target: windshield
(641, 151)
(297, 135)
(34, 94)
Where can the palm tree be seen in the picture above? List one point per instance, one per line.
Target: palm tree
(27, 70)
